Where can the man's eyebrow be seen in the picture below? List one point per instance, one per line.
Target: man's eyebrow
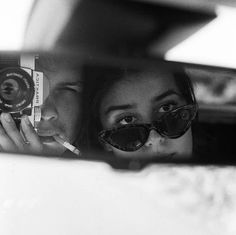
(118, 107)
(165, 94)
(71, 83)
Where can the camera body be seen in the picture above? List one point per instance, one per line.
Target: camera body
(21, 87)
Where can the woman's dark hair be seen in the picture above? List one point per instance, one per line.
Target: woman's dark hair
(98, 80)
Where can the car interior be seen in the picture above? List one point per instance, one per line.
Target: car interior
(93, 192)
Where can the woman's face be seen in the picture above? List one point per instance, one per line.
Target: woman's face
(138, 100)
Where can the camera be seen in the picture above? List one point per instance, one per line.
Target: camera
(21, 87)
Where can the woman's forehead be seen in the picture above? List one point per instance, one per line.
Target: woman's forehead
(137, 89)
(156, 81)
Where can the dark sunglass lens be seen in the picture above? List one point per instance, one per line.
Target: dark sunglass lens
(129, 138)
(176, 123)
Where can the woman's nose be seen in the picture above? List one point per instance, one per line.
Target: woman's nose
(49, 109)
(154, 141)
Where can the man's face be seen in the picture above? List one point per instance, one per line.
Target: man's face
(61, 109)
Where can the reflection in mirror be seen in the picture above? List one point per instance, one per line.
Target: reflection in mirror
(150, 112)
(119, 111)
(215, 91)
(136, 113)
(40, 97)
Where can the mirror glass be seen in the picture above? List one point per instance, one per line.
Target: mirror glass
(159, 111)
(116, 110)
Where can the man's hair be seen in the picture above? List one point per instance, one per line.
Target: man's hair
(54, 62)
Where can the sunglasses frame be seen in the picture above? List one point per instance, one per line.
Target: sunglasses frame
(104, 135)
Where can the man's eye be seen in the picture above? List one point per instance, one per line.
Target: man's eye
(72, 88)
(127, 120)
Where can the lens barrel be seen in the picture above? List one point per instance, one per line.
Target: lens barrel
(16, 89)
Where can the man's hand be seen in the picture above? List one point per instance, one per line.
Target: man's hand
(11, 140)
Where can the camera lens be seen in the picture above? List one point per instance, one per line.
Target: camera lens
(16, 89)
(10, 89)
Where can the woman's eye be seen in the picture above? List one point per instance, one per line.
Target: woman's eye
(127, 120)
(167, 108)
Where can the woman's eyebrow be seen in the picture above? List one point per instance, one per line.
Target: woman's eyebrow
(118, 107)
(164, 95)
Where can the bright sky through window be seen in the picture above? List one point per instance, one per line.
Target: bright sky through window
(215, 44)
(13, 19)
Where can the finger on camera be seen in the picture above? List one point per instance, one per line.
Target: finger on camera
(29, 132)
(7, 144)
(11, 130)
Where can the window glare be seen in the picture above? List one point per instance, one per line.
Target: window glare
(13, 19)
(213, 45)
